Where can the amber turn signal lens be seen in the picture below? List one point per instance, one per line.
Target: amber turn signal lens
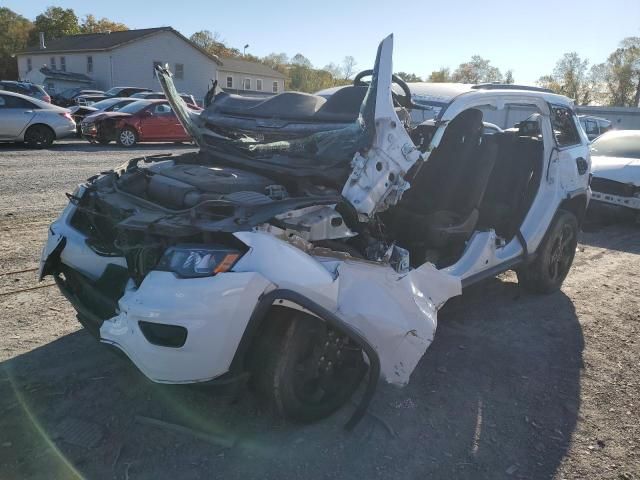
(226, 263)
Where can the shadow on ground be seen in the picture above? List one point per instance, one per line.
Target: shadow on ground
(496, 396)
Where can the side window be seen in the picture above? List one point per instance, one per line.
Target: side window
(156, 63)
(3, 102)
(15, 102)
(162, 109)
(564, 126)
(591, 127)
(179, 71)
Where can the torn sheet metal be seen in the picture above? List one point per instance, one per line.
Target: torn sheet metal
(396, 313)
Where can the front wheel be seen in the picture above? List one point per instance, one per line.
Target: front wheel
(555, 256)
(39, 136)
(127, 137)
(305, 369)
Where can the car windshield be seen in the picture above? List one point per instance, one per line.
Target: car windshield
(102, 104)
(135, 107)
(617, 144)
(112, 91)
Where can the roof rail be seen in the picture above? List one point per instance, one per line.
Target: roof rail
(509, 86)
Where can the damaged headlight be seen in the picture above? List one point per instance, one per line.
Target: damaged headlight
(193, 261)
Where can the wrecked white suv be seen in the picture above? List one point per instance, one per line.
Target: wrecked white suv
(312, 239)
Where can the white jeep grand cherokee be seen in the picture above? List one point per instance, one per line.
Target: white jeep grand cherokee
(312, 239)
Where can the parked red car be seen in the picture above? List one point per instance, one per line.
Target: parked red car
(141, 121)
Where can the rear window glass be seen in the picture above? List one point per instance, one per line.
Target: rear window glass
(616, 145)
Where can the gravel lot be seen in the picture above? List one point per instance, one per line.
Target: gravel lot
(514, 386)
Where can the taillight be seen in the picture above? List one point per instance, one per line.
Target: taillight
(47, 99)
(66, 115)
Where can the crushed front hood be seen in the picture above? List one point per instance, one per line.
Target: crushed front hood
(618, 169)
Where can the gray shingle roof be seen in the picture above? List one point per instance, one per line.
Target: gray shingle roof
(107, 41)
(70, 76)
(252, 68)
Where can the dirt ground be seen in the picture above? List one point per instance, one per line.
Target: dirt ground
(514, 386)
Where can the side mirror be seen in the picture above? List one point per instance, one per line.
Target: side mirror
(147, 113)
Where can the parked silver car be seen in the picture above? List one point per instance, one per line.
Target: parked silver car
(37, 123)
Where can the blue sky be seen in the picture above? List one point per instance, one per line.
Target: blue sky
(527, 36)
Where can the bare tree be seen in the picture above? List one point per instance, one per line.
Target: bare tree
(348, 67)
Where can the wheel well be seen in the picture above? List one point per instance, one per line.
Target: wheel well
(42, 125)
(576, 205)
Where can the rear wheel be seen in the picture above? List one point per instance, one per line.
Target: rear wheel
(39, 136)
(127, 137)
(555, 256)
(305, 369)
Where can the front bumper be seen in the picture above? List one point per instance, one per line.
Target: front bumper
(214, 310)
(617, 200)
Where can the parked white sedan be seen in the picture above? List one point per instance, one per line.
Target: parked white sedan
(37, 123)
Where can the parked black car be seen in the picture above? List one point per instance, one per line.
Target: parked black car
(25, 88)
(124, 91)
(67, 98)
(78, 112)
(90, 99)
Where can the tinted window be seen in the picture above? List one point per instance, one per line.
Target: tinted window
(625, 145)
(135, 107)
(591, 127)
(162, 109)
(564, 127)
(15, 102)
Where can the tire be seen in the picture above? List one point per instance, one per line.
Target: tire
(39, 136)
(555, 256)
(298, 371)
(127, 137)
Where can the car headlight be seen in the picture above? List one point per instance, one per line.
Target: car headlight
(193, 261)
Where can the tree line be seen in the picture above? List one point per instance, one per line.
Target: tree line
(615, 81)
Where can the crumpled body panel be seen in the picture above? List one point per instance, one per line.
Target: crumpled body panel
(396, 313)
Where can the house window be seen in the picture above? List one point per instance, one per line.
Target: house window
(29, 66)
(50, 87)
(52, 63)
(229, 82)
(275, 87)
(247, 84)
(259, 84)
(156, 63)
(63, 64)
(89, 64)
(179, 71)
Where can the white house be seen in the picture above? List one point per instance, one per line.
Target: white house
(128, 58)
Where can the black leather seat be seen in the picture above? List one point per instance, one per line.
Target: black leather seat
(441, 208)
(343, 106)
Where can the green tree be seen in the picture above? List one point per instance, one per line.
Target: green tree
(508, 77)
(301, 60)
(570, 77)
(91, 24)
(477, 70)
(55, 22)
(212, 43)
(440, 76)
(622, 73)
(409, 77)
(14, 34)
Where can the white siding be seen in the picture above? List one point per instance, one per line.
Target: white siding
(75, 62)
(238, 79)
(133, 64)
